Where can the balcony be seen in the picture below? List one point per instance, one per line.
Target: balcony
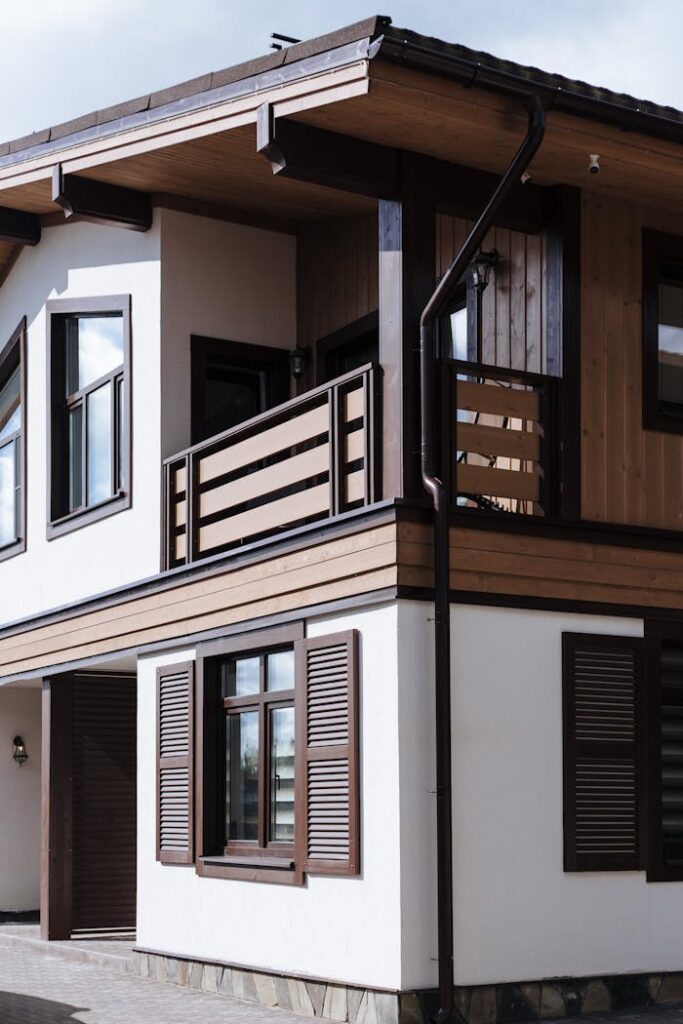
(501, 439)
(305, 461)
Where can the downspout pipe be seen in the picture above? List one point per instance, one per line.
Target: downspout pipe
(437, 491)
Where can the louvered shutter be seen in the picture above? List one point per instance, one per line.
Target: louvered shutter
(327, 829)
(602, 708)
(175, 817)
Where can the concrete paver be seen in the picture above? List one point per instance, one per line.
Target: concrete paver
(36, 989)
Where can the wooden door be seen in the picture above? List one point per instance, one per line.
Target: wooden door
(104, 803)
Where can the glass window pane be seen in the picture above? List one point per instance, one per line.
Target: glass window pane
(99, 435)
(10, 406)
(282, 775)
(241, 776)
(8, 521)
(670, 340)
(94, 348)
(280, 671)
(240, 677)
(75, 457)
(458, 324)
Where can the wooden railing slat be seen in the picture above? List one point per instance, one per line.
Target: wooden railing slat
(502, 401)
(264, 481)
(283, 512)
(485, 440)
(498, 483)
(300, 428)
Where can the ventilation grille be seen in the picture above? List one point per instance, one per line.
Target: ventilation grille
(328, 810)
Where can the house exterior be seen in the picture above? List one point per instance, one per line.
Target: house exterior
(231, 443)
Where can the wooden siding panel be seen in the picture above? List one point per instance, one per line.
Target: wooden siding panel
(629, 475)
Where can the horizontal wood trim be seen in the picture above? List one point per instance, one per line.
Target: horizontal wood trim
(498, 563)
(500, 401)
(354, 446)
(355, 486)
(500, 483)
(300, 428)
(515, 444)
(353, 405)
(352, 565)
(266, 481)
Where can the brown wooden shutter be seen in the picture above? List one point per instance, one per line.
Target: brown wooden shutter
(602, 683)
(327, 808)
(175, 812)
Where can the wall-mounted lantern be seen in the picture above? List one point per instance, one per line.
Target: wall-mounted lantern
(20, 753)
(481, 267)
(298, 362)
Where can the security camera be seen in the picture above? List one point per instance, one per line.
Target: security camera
(594, 164)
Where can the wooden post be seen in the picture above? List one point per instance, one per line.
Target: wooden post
(407, 275)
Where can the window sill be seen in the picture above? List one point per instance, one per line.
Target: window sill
(90, 514)
(276, 870)
(15, 547)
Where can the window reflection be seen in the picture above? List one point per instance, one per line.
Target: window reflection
(282, 775)
(94, 349)
(10, 406)
(8, 515)
(670, 342)
(241, 790)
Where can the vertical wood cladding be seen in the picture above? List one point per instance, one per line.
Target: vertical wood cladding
(629, 475)
(337, 275)
(514, 303)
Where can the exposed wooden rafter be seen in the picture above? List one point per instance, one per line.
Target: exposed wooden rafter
(98, 201)
(18, 227)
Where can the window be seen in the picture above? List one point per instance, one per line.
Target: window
(89, 350)
(12, 444)
(348, 349)
(258, 699)
(623, 752)
(276, 757)
(662, 332)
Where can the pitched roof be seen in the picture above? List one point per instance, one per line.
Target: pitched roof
(370, 38)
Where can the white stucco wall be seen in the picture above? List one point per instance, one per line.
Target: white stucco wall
(75, 261)
(345, 929)
(219, 280)
(20, 714)
(518, 914)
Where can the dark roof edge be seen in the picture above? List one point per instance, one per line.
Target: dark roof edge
(322, 53)
(472, 67)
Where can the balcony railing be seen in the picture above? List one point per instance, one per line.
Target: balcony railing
(501, 439)
(302, 462)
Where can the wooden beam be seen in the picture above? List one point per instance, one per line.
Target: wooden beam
(100, 202)
(407, 277)
(19, 227)
(321, 157)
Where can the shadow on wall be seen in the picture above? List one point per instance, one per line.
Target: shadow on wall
(20, 1009)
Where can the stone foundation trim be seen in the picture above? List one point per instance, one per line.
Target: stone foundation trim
(539, 1000)
(327, 1000)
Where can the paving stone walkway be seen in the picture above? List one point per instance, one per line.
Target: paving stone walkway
(35, 989)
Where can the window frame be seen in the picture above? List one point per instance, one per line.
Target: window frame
(215, 858)
(58, 404)
(330, 349)
(11, 356)
(661, 253)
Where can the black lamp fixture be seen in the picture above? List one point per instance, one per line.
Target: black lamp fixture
(20, 753)
(482, 265)
(298, 362)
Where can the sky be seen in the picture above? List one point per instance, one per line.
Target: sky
(68, 58)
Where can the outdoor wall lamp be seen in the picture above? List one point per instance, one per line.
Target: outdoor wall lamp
(20, 754)
(298, 362)
(482, 265)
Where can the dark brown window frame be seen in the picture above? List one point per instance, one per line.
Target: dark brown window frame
(662, 258)
(57, 310)
(212, 860)
(328, 348)
(12, 355)
(245, 354)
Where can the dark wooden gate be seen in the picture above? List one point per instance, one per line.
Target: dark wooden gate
(104, 803)
(89, 804)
